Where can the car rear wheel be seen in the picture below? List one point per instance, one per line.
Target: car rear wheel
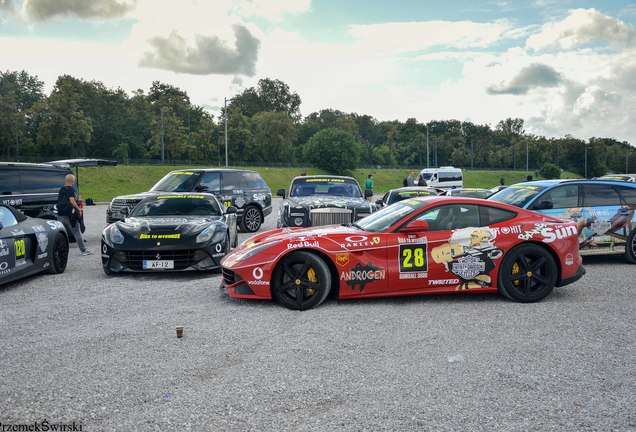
(252, 219)
(59, 255)
(301, 281)
(630, 247)
(528, 274)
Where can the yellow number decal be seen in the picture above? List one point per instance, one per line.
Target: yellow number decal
(413, 258)
(227, 203)
(19, 249)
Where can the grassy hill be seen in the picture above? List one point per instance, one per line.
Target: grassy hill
(104, 183)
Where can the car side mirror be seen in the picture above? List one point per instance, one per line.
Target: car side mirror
(543, 205)
(368, 193)
(201, 188)
(379, 203)
(231, 210)
(415, 227)
(281, 193)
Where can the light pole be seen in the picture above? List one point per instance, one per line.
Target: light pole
(225, 115)
(428, 164)
(527, 157)
(585, 160)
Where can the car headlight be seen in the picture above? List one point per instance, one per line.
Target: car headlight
(256, 250)
(212, 232)
(112, 235)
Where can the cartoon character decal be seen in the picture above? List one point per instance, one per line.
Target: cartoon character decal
(470, 254)
(593, 224)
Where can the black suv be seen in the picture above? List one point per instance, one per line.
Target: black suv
(32, 188)
(244, 189)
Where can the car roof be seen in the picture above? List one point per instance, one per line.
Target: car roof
(327, 176)
(414, 189)
(33, 165)
(554, 182)
(213, 170)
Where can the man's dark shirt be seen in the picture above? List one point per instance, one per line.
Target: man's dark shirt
(64, 206)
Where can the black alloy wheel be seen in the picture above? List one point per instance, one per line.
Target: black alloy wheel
(528, 273)
(301, 281)
(630, 247)
(59, 255)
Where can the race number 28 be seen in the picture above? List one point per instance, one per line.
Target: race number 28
(413, 258)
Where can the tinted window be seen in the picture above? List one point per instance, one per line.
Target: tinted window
(212, 180)
(41, 181)
(9, 182)
(6, 217)
(566, 196)
(492, 215)
(252, 180)
(600, 195)
(450, 217)
(232, 181)
(448, 176)
(628, 194)
(176, 205)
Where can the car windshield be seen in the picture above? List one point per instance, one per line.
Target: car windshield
(177, 205)
(325, 186)
(177, 181)
(473, 193)
(517, 195)
(402, 195)
(426, 176)
(383, 219)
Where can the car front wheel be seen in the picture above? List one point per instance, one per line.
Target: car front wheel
(528, 273)
(301, 281)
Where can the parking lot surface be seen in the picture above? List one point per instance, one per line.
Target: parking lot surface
(102, 352)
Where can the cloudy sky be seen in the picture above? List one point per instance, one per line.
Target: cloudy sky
(566, 67)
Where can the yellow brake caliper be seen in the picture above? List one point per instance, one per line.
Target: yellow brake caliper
(515, 270)
(311, 275)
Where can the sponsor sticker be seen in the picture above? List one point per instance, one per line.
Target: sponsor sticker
(342, 259)
(43, 241)
(159, 236)
(569, 259)
(257, 273)
(361, 275)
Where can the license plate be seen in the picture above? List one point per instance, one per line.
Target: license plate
(158, 264)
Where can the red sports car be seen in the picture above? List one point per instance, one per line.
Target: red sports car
(426, 245)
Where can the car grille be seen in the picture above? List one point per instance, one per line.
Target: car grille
(330, 216)
(118, 204)
(183, 258)
(230, 277)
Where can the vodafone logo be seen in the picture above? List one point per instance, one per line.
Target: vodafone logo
(258, 273)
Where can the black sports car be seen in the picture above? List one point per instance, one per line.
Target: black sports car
(395, 195)
(322, 200)
(30, 245)
(170, 232)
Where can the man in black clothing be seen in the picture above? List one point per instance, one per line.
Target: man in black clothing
(67, 209)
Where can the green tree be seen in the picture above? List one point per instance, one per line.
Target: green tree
(550, 171)
(64, 129)
(269, 95)
(333, 150)
(274, 134)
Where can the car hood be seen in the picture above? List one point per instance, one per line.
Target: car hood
(185, 225)
(314, 201)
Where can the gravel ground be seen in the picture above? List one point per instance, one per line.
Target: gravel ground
(102, 352)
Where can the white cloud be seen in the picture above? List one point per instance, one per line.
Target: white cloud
(412, 36)
(581, 27)
(273, 10)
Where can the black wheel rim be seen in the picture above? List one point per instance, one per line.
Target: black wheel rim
(298, 283)
(60, 254)
(633, 245)
(252, 219)
(529, 274)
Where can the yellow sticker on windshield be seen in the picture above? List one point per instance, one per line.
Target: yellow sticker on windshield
(524, 187)
(183, 173)
(325, 180)
(180, 196)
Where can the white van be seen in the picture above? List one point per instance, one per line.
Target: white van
(446, 177)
